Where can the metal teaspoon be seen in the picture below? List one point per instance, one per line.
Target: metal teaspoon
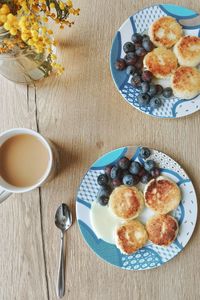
(63, 220)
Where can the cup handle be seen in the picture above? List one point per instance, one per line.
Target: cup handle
(4, 194)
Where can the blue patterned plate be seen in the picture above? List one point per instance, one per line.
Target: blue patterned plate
(140, 22)
(150, 256)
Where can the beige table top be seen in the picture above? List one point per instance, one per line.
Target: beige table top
(83, 113)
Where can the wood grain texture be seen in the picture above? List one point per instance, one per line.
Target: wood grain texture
(22, 264)
(83, 113)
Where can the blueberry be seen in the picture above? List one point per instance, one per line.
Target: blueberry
(167, 92)
(124, 163)
(128, 47)
(145, 152)
(147, 45)
(130, 70)
(145, 178)
(103, 200)
(142, 172)
(152, 90)
(140, 52)
(131, 62)
(155, 102)
(136, 179)
(135, 167)
(143, 99)
(107, 170)
(125, 172)
(136, 80)
(138, 45)
(103, 196)
(147, 76)
(116, 182)
(139, 65)
(145, 37)
(155, 172)
(130, 59)
(145, 87)
(102, 179)
(149, 165)
(159, 89)
(120, 64)
(136, 37)
(116, 172)
(130, 180)
(139, 72)
(130, 55)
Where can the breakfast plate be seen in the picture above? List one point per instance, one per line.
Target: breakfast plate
(150, 255)
(140, 23)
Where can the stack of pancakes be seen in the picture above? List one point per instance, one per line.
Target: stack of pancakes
(161, 195)
(163, 61)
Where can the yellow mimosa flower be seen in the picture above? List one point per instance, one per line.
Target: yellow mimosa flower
(25, 22)
(7, 26)
(61, 5)
(13, 31)
(3, 18)
(5, 9)
(69, 3)
(52, 5)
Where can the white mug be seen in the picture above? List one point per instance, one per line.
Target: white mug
(7, 189)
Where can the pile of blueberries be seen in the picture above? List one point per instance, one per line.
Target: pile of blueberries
(126, 172)
(141, 79)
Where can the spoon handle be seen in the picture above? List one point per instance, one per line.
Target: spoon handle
(61, 271)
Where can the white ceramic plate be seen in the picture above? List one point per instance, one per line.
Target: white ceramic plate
(140, 22)
(150, 256)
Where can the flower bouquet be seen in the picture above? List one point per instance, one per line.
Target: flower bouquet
(27, 45)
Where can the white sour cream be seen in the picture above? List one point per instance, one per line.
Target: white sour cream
(104, 222)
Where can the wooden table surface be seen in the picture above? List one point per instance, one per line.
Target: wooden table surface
(83, 113)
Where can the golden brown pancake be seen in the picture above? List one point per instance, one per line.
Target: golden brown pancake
(162, 229)
(131, 236)
(186, 82)
(126, 202)
(162, 195)
(187, 50)
(161, 62)
(165, 32)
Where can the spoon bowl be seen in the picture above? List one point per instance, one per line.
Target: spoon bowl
(63, 217)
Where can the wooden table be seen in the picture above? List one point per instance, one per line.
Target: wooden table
(83, 113)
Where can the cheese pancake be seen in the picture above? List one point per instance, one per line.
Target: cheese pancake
(162, 229)
(161, 62)
(185, 82)
(165, 32)
(126, 202)
(162, 195)
(187, 50)
(131, 236)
